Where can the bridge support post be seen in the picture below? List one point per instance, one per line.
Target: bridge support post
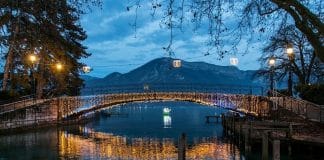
(276, 149)
(289, 135)
(265, 153)
(247, 146)
(240, 133)
(182, 147)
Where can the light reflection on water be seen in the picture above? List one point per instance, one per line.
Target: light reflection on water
(95, 145)
(141, 131)
(167, 121)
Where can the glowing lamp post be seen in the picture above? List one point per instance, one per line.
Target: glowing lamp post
(33, 59)
(59, 66)
(272, 63)
(290, 50)
(291, 57)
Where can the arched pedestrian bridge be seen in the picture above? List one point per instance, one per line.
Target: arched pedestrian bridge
(27, 113)
(75, 107)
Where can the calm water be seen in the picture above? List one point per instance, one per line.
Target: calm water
(133, 131)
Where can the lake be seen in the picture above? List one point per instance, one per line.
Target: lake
(145, 130)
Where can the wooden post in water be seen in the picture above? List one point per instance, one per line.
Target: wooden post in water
(290, 131)
(289, 136)
(276, 149)
(225, 125)
(265, 154)
(240, 134)
(247, 146)
(182, 147)
(233, 128)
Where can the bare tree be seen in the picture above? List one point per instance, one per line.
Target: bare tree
(304, 63)
(255, 16)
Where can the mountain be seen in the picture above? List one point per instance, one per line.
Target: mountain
(161, 71)
(88, 78)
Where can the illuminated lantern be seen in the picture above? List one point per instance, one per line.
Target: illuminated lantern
(234, 61)
(86, 69)
(176, 63)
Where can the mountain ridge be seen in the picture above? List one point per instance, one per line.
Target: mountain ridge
(160, 70)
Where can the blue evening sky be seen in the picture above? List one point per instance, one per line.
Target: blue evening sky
(116, 47)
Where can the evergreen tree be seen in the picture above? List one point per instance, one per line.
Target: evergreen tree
(51, 31)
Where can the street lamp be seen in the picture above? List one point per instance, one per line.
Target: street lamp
(59, 66)
(272, 63)
(33, 59)
(291, 57)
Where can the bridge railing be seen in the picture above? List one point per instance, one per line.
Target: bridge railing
(43, 111)
(175, 87)
(3, 102)
(21, 103)
(256, 105)
(306, 109)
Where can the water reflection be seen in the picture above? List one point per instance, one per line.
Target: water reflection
(95, 145)
(167, 121)
(145, 133)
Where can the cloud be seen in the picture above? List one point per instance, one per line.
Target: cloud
(115, 48)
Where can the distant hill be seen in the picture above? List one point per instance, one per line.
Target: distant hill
(88, 78)
(161, 71)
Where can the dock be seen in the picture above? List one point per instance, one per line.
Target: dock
(263, 133)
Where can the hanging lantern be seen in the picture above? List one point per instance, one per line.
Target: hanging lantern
(234, 61)
(86, 69)
(176, 63)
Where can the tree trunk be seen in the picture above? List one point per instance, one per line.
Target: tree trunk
(9, 60)
(7, 68)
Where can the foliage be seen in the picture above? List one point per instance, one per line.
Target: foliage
(51, 31)
(5, 95)
(312, 93)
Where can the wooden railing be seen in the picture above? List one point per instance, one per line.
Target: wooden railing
(305, 109)
(21, 104)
